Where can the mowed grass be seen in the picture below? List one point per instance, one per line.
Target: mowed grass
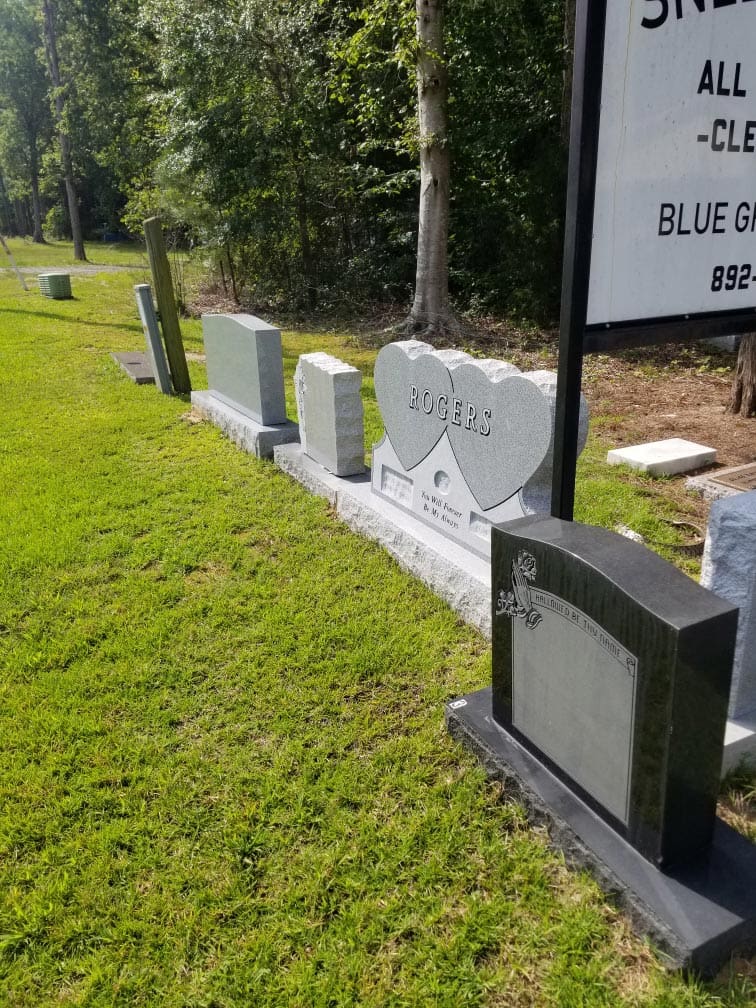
(59, 254)
(224, 776)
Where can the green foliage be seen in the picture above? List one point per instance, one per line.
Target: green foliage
(506, 63)
(283, 139)
(54, 225)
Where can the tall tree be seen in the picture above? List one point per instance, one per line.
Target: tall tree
(64, 140)
(743, 390)
(430, 312)
(23, 100)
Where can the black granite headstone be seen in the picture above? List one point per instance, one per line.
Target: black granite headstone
(613, 668)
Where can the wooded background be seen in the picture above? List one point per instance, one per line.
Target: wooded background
(284, 139)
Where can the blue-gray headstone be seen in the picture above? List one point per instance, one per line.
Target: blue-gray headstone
(155, 351)
(729, 569)
(245, 365)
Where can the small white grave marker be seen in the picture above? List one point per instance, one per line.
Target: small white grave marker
(663, 458)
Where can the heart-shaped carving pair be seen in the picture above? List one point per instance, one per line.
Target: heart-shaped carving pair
(498, 423)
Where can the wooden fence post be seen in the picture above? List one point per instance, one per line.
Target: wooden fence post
(161, 279)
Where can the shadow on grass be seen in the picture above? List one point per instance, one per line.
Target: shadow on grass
(123, 327)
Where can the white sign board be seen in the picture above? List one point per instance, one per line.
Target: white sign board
(674, 227)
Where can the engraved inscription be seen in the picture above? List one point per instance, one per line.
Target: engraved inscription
(573, 696)
(437, 509)
(446, 407)
(396, 485)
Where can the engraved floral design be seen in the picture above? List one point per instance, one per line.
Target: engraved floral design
(527, 564)
(516, 601)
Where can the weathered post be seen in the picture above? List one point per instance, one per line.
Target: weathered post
(161, 279)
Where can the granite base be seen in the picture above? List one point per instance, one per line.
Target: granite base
(245, 432)
(459, 577)
(696, 915)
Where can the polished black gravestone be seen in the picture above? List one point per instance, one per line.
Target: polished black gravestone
(608, 706)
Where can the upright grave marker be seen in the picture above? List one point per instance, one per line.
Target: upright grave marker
(468, 442)
(330, 413)
(661, 213)
(155, 352)
(245, 373)
(615, 667)
(729, 568)
(611, 673)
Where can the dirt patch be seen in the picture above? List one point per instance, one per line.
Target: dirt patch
(687, 402)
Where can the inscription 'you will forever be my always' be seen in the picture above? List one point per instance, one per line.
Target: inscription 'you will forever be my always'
(441, 510)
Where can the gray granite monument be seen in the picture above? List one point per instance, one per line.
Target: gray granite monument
(153, 339)
(729, 569)
(468, 442)
(330, 413)
(245, 373)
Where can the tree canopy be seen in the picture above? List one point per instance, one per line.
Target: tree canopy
(285, 139)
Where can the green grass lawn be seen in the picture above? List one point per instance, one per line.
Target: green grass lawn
(59, 254)
(224, 776)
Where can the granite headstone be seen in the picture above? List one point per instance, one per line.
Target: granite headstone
(330, 413)
(245, 365)
(729, 569)
(468, 442)
(614, 668)
(246, 397)
(153, 339)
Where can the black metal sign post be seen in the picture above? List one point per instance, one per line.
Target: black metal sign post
(590, 19)
(660, 234)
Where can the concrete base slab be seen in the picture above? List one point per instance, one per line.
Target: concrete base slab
(697, 915)
(663, 458)
(459, 577)
(241, 429)
(136, 366)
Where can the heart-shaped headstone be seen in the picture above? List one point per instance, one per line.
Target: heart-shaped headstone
(409, 379)
(503, 431)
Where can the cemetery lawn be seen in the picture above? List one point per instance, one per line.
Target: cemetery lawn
(58, 255)
(224, 775)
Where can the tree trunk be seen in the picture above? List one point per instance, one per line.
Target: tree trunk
(743, 391)
(430, 314)
(303, 220)
(37, 235)
(21, 213)
(66, 164)
(6, 210)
